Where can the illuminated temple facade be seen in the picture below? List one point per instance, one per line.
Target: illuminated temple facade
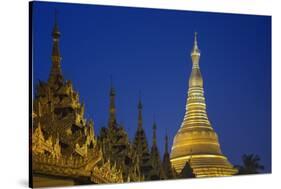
(196, 141)
(64, 147)
(65, 150)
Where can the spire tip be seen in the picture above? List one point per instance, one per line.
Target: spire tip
(154, 124)
(140, 103)
(112, 91)
(195, 50)
(56, 32)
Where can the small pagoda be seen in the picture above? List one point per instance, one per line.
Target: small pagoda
(158, 172)
(115, 144)
(141, 148)
(168, 170)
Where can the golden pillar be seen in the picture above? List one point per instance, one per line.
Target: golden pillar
(196, 140)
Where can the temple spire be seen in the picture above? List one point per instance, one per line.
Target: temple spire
(155, 156)
(112, 109)
(195, 50)
(166, 143)
(166, 163)
(56, 73)
(112, 90)
(154, 133)
(195, 53)
(195, 79)
(140, 112)
(141, 146)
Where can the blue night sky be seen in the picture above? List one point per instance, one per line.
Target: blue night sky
(148, 50)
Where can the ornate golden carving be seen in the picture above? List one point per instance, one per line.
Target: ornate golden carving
(63, 141)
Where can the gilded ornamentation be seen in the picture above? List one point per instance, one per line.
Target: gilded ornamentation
(196, 140)
(63, 141)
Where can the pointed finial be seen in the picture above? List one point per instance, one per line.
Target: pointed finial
(112, 91)
(154, 133)
(139, 94)
(140, 103)
(56, 32)
(195, 38)
(154, 123)
(195, 50)
(139, 112)
(166, 141)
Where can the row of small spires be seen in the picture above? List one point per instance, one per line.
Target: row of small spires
(140, 106)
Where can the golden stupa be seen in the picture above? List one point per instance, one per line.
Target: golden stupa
(196, 140)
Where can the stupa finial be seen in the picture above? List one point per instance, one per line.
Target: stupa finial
(166, 142)
(139, 103)
(139, 112)
(195, 51)
(154, 127)
(56, 73)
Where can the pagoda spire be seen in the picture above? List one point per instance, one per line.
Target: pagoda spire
(195, 53)
(195, 79)
(112, 109)
(195, 50)
(166, 163)
(140, 112)
(196, 137)
(56, 73)
(166, 143)
(154, 133)
(141, 146)
(155, 156)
